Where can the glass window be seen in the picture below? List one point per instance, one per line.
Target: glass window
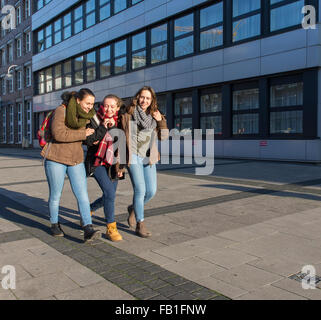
(58, 77)
(184, 46)
(246, 99)
(245, 111)
(286, 108)
(211, 15)
(119, 5)
(120, 49)
(183, 114)
(104, 9)
(57, 30)
(48, 74)
(211, 102)
(67, 74)
(244, 6)
(250, 25)
(41, 82)
(159, 44)
(212, 122)
(246, 123)
(139, 50)
(91, 66)
(286, 16)
(67, 26)
(211, 24)
(40, 38)
(78, 19)
(184, 39)
(287, 95)
(105, 69)
(211, 112)
(90, 13)
(48, 36)
(246, 28)
(79, 70)
(286, 122)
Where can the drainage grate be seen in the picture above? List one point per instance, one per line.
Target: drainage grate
(301, 275)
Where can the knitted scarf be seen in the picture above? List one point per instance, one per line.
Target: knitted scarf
(76, 117)
(105, 152)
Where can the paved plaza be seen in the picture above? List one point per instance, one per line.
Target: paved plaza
(243, 233)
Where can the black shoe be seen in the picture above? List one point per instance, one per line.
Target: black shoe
(56, 230)
(90, 234)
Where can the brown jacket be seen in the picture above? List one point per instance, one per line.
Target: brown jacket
(66, 145)
(161, 132)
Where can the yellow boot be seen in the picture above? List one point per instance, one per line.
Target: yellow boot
(112, 232)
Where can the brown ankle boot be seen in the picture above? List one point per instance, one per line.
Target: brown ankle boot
(131, 218)
(142, 231)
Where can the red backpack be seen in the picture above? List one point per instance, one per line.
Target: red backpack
(44, 134)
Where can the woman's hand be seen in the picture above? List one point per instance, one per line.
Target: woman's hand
(120, 174)
(109, 122)
(89, 132)
(157, 115)
(96, 142)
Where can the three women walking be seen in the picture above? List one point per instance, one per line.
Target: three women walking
(75, 122)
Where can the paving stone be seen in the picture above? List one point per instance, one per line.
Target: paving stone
(194, 268)
(110, 275)
(181, 251)
(220, 298)
(166, 275)
(239, 277)
(100, 268)
(156, 284)
(6, 226)
(159, 297)
(295, 287)
(177, 281)
(222, 287)
(153, 269)
(82, 275)
(169, 290)
(227, 258)
(99, 291)
(6, 295)
(270, 293)
(92, 251)
(279, 265)
(44, 286)
(183, 296)
(143, 277)
(122, 280)
(145, 294)
(204, 294)
(125, 266)
(189, 286)
(132, 287)
(156, 258)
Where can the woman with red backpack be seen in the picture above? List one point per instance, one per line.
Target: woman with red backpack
(64, 155)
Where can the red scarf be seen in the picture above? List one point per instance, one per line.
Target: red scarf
(105, 152)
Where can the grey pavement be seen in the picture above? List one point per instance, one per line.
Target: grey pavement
(245, 232)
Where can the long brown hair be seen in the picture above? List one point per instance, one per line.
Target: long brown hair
(151, 109)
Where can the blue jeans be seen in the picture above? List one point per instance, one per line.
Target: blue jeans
(56, 173)
(108, 188)
(144, 181)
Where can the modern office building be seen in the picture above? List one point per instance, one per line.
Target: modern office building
(16, 90)
(246, 68)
